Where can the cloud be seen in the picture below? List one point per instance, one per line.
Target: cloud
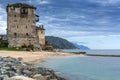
(72, 17)
(3, 21)
(63, 32)
(53, 18)
(115, 35)
(42, 2)
(106, 2)
(29, 1)
(81, 25)
(87, 21)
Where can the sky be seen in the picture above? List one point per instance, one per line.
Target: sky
(93, 23)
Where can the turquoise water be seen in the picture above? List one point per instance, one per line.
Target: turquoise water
(86, 68)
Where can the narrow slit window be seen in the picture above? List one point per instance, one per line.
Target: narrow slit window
(41, 31)
(15, 34)
(14, 15)
(26, 34)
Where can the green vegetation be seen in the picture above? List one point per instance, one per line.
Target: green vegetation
(4, 46)
(3, 43)
(23, 5)
(12, 49)
(59, 43)
(28, 48)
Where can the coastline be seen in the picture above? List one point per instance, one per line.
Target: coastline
(30, 58)
(35, 56)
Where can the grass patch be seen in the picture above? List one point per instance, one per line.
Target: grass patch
(12, 49)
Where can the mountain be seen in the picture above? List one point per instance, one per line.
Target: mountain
(82, 47)
(59, 43)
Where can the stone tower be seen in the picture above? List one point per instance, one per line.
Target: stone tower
(41, 35)
(21, 25)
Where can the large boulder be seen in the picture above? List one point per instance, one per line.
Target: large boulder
(4, 77)
(20, 78)
(39, 77)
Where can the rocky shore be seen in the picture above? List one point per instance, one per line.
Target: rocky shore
(11, 67)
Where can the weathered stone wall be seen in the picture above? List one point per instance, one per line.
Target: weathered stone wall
(41, 35)
(21, 27)
(13, 42)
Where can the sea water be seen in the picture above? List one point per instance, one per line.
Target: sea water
(112, 52)
(86, 68)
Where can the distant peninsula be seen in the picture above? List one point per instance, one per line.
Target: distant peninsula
(59, 43)
(82, 47)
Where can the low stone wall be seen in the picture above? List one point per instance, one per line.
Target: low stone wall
(103, 55)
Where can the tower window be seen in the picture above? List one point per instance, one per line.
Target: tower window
(17, 26)
(12, 8)
(32, 11)
(26, 34)
(26, 27)
(15, 34)
(41, 31)
(24, 11)
(14, 15)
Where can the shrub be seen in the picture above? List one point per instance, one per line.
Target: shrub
(31, 47)
(24, 46)
(3, 43)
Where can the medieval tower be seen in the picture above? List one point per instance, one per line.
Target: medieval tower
(21, 26)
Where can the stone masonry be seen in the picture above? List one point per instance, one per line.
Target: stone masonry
(21, 26)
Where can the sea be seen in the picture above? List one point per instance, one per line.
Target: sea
(87, 67)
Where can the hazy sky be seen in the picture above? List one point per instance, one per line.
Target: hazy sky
(94, 23)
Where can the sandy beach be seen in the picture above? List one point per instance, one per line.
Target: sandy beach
(34, 56)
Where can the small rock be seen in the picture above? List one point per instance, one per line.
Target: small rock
(39, 77)
(4, 77)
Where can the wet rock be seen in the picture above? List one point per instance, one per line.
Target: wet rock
(4, 77)
(20, 78)
(10, 67)
(27, 73)
(53, 79)
(39, 77)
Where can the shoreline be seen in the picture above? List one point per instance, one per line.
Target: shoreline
(17, 69)
(31, 58)
(36, 56)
